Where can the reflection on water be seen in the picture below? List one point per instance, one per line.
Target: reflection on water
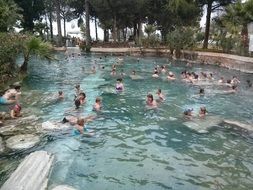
(136, 148)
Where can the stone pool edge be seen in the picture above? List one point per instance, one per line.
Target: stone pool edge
(235, 62)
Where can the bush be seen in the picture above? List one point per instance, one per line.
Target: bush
(180, 38)
(9, 50)
(151, 41)
(84, 48)
(227, 44)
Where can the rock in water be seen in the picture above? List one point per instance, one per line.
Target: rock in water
(63, 187)
(32, 173)
(1, 145)
(203, 125)
(51, 126)
(238, 124)
(19, 142)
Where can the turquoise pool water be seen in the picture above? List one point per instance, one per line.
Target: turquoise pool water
(136, 148)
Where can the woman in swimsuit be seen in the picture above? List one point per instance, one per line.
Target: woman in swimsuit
(119, 85)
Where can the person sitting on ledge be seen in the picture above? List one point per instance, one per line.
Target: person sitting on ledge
(16, 111)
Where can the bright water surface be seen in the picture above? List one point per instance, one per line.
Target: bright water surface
(135, 148)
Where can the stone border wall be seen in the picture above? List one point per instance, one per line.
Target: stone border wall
(240, 63)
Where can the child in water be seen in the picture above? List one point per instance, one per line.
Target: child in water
(188, 113)
(119, 85)
(60, 95)
(202, 112)
(16, 111)
(160, 95)
(98, 105)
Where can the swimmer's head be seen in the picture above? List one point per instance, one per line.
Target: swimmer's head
(234, 87)
(150, 97)
(98, 100)
(156, 72)
(203, 110)
(77, 103)
(82, 95)
(188, 112)
(77, 86)
(60, 93)
(229, 81)
(201, 91)
(80, 121)
(17, 88)
(171, 74)
(159, 91)
(119, 80)
(133, 72)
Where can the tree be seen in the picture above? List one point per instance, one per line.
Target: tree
(87, 24)
(32, 10)
(211, 6)
(30, 45)
(8, 14)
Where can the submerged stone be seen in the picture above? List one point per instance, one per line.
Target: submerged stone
(20, 142)
(1, 145)
(32, 173)
(63, 187)
(51, 126)
(203, 125)
(238, 124)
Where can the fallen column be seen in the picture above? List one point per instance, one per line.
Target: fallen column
(32, 173)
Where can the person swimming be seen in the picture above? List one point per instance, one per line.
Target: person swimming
(221, 81)
(160, 95)
(78, 122)
(171, 76)
(235, 81)
(119, 85)
(155, 74)
(150, 101)
(249, 83)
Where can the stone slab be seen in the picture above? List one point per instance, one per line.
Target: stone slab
(32, 173)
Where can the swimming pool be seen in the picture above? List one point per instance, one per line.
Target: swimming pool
(134, 147)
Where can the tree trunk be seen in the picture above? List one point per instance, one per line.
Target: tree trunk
(87, 24)
(51, 22)
(58, 17)
(135, 32)
(118, 34)
(124, 34)
(114, 29)
(24, 66)
(164, 33)
(139, 32)
(96, 28)
(208, 20)
(64, 26)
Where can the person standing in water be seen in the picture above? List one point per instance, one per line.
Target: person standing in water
(98, 105)
(150, 101)
(119, 85)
